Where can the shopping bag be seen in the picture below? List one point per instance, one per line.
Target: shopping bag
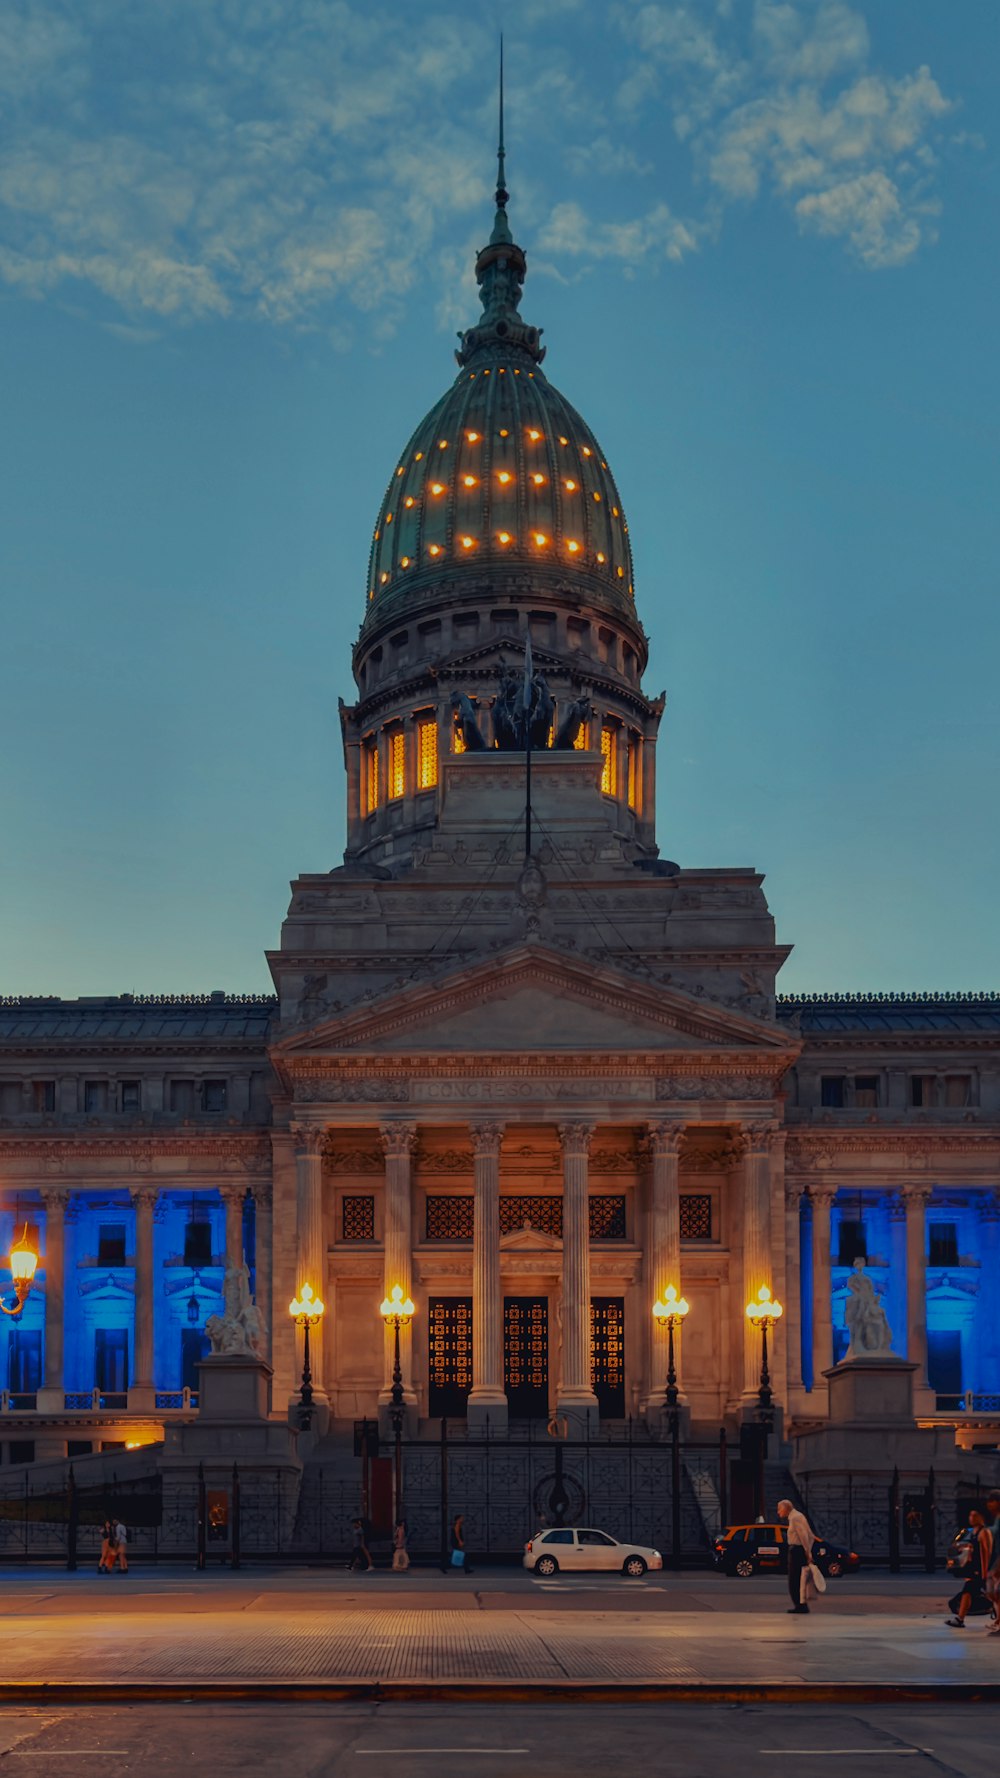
(817, 1577)
(458, 1558)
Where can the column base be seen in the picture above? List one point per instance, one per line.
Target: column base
(487, 1412)
(579, 1409)
(142, 1398)
(51, 1401)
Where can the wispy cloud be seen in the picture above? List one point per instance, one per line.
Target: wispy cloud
(311, 165)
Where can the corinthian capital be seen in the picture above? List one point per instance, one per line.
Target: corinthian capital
(822, 1196)
(308, 1139)
(54, 1197)
(145, 1197)
(575, 1138)
(919, 1196)
(486, 1138)
(398, 1140)
(664, 1139)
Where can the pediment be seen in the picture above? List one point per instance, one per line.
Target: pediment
(528, 1239)
(533, 998)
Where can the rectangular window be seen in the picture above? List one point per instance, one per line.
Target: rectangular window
(449, 1218)
(43, 1095)
(370, 789)
(427, 753)
(696, 1216)
(111, 1244)
(635, 773)
(182, 1096)
(359, 1219)
(851, 1243)
(831, 1090)
(22, 1450)
(95, 1095)
(213, 1095)
(922, 1089)
(958, 1089)
(942, 1244)
(111, 1360)
(397, 763)
(24, 1361)
(198, 1243)
(609, 754)
(131, 1092)
(866, 1091)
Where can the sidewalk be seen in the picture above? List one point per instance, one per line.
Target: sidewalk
(70, 1637)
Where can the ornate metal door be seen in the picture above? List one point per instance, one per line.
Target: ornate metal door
(607, 1354)
(526, 1356)
(449, 1354)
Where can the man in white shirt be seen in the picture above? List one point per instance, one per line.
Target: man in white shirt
(800, 1545)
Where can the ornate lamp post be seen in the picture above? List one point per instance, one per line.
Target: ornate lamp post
(397, 1311)
(670, 1313)
(306, 1311)
(763, 1311)
(23, 1263)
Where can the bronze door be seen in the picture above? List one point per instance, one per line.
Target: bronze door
(449, 1355)
(607, 1355)
(526, 1356)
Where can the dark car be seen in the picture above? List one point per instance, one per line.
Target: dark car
(760, 1549)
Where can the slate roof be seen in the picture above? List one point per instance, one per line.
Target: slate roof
(137, 1018)
(955, 1014)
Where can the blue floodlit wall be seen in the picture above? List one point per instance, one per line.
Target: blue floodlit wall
(100, 1296)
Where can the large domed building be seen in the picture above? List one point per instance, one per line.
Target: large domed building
(518, 1068)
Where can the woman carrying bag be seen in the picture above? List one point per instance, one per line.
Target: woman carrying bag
(459, 1559)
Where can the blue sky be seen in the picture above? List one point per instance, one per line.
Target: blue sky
(236, 240)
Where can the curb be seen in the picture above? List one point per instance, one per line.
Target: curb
(478, 1691)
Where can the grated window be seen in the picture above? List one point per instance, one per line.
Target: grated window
(397, 763)
(609, 754)
(427, 753)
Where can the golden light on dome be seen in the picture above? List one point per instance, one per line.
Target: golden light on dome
(469, 481)
(467, 542)
(596, 495)
(570, 486)
(587, 451)
(572, 546)
(434, 549)
(538, 479)
(615, 511)
(437, 487)
(419, 456)
(409, 500)
(388, 518)
(563, 440)
(621, 574)
(540, 539)
(383, 577)
(504, 536)
(504, 432)
(404, 561)
(503, 476)
(473, 437)
(442, 444)
(532, 434)
(401, 470)
(600, 555)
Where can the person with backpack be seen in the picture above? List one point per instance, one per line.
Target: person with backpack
(974, 1572)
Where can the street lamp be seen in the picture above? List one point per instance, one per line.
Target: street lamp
(306, 1311)
(763, 1311)
(670, 1313)
(23, 1261)
(397, 1311)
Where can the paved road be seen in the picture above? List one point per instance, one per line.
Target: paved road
(536, 1741)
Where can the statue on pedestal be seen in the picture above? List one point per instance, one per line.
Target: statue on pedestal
(871, 1335)
(239, 1331)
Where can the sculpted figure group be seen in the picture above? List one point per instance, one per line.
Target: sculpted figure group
(513, 726)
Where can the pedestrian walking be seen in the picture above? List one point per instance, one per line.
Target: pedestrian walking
(360, 1553)
(107, 1547)
(120, 1554)
(400, 1554)
(459, 1556)
(801, 1538)
(974, 1573)
(993, 1577)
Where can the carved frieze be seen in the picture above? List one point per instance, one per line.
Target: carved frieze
(715, 1086)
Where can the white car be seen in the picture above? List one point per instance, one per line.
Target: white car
(582, 1550)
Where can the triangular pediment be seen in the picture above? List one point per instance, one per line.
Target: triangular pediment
(528, 1239)
(535, 999)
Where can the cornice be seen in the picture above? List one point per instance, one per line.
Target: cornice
(250, 1151)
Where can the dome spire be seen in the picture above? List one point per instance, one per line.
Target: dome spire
(500, 270)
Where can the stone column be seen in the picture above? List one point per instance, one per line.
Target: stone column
(663, 1254)
(916, 1199)
(576, 1399)
(233, 1197)
(793, 1290)
(52, 1394)
(140, 1393)
(986, 1380)
(756, 1245)
(488, 1397)
(310, 1264)
(822, 1198)
(398, 1143)
(263, 1197)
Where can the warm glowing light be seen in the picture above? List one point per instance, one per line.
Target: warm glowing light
(397, 763)
(473, 437)
(503, 476)
(532, 433)
(621, 574)
(437, 487)
(538, 479)
(419, 456)
(409, 500)
(615, 511)
(427, 753)
(396, 1304)
(563, 440)
(469, 480)
(23, 1260)
(504, 433)
(572, 547)
(600, 555)
(467, 542)
(404, 561)
(401, 470)
(504, 536)
(442, 444)
(596, 495)
(764, 1309)
(672, 1308)
(587, 451)
(570, 486)
(383, 577)
(540, 538)
(306, 1306)
(434, 549)
(377, 535)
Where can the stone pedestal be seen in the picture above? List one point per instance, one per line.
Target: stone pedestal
(233, 1428)
(872, 1429)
